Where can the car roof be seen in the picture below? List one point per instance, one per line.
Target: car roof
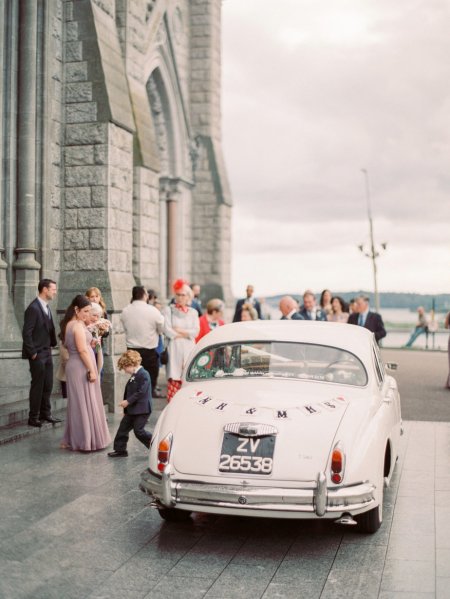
(356, 339)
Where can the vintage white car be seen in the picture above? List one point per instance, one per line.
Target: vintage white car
(285, 419)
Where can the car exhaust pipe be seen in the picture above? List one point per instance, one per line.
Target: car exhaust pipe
(346, 520)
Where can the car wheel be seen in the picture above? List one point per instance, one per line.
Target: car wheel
(172, 515)
(369, 522)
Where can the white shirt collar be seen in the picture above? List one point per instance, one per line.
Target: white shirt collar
(43, 303)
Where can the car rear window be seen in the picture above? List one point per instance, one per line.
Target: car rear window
(274, 359)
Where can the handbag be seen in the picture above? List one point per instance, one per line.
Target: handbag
(164, 357)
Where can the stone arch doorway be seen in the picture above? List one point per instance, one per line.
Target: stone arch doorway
(176, 176)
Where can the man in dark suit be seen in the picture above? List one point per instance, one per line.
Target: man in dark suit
(369, 320)
(289, 309)
(250, 299)
(38, 338)
(136, 404)
(309, 310)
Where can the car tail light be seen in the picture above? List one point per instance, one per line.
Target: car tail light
(164, 449)
(337, 464)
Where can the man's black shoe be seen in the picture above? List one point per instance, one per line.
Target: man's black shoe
(118, 454)
(36, 423)
(51, 419)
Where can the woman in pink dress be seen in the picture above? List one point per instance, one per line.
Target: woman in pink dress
(86, 426)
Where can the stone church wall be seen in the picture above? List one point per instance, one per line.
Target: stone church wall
(113, 107)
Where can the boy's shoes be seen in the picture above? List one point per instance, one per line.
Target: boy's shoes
(118, 454)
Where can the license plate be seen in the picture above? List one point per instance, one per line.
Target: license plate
(247, 455)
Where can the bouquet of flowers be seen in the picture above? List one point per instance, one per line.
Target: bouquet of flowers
(98, 330)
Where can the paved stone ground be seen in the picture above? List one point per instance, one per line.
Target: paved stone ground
(75, 525)
(421, 377)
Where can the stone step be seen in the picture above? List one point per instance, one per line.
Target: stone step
(15, 413)
(20, 430)
(10, 395)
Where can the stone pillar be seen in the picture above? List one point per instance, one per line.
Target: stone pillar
(211, 212)
(26, 266)
(169, 189)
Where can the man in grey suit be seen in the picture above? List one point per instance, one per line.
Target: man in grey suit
(39, 337)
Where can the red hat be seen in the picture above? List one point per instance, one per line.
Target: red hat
(179, 284)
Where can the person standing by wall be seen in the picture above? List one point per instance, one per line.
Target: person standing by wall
(86, 427)
(143, 323)
(39, 337)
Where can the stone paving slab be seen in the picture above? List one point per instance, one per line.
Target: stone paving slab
(76, 525)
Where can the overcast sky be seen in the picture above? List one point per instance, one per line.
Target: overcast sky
(314, 91)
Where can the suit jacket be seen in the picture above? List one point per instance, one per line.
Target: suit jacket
(373, 323)
(138, 393)
(295, 316)
(240, 303)
(320, 314)
(38, 331)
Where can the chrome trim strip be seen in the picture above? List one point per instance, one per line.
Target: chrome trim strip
(250, 429)
(319, 501)
(320, 496)
(166, 496)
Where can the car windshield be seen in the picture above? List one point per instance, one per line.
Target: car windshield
(276, 359)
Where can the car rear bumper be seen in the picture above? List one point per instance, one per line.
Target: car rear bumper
(316, 501)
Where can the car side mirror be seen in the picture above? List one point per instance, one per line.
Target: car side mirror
(391, 366)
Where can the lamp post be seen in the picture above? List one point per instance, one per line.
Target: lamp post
(372, 253)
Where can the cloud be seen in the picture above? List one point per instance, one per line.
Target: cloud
(311, 99)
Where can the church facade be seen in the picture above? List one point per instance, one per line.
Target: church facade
(111, 157)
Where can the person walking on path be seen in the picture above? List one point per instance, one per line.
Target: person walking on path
(143, 323)
(181, 327)
(421, 326)
(447, 326)
(39, 337)
(136, 404)
(367, 319)
(86, 426)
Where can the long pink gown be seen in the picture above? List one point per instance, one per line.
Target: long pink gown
(86, 426)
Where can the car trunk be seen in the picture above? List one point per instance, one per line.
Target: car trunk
(305, 427)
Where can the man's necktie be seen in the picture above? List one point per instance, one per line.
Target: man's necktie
(360, 320)
(49, 314)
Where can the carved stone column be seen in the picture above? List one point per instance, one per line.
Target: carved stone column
(26, 266)
(169, 192)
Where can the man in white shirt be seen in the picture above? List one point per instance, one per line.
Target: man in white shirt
(143, 323)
